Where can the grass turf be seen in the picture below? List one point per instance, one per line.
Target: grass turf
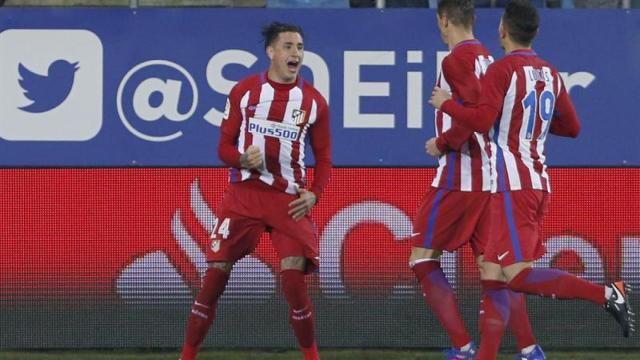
(292, 355)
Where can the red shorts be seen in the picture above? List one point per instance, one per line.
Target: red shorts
(447, 220)
(516, 227)
(247, 210)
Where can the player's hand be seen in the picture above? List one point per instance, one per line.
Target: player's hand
(438, 96)
(301, 206)
(251, 159)
(431, 148)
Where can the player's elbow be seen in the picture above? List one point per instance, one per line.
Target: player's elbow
(484, 124)
(485, 117)
(221, 152)
(575, 131)
(229, 155)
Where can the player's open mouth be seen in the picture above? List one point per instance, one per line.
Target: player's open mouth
(293, 65)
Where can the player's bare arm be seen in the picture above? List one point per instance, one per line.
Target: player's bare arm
(301, 206)
(252, 158)
(438, 97)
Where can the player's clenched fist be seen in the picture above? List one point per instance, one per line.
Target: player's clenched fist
(251, 159)
(438, 96)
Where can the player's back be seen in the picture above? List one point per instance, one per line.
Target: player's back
(533, 86)
(467, 164)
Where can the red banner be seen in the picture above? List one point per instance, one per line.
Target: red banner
(138, 235)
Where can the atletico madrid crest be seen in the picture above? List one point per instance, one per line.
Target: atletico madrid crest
(298, 116)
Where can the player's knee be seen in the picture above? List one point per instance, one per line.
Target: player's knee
(490, 271)
(225, 266)
(481, 267)
(419, 254)
(514, 270)
(293, 263)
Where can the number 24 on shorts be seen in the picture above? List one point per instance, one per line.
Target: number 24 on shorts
(219, 228)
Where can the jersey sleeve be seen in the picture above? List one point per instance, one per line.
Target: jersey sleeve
(464, 83)
(229, 130)
(480, 117)
(320, 136)
(462, 79)
(565, 119)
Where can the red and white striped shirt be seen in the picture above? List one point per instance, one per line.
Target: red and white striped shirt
(469, 157)
(277, 119)
(526, 99)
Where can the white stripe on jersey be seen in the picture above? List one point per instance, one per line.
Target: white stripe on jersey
(442, 161)
(286, 146)
(503, 135)
(493, 161)
(525, 144)
(560, 83)
(244, 173)
(262, 112)
(486, 162)
(446, 119)
(446, 124)
(465, 168)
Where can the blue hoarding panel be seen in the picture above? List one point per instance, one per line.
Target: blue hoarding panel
(117, 87)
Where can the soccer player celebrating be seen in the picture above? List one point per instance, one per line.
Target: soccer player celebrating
(267, 119)
(524, 98)
(455, 210)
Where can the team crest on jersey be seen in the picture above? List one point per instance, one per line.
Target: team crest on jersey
(298, 116)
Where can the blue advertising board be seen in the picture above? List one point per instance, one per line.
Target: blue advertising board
(147, 87)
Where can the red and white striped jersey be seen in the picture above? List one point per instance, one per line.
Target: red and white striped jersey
(469, 157)
(277, 119)
(523, 96)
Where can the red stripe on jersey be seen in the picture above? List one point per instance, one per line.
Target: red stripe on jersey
(457, 171)
(271, 144)
(476, 163)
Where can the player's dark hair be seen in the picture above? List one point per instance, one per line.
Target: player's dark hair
(271, 31)
(459, 12)
(521, 21)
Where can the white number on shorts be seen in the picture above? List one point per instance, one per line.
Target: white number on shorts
(222, 230)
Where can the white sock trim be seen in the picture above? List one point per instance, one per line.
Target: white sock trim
(466, 347)
(608, 292)
(419, 261)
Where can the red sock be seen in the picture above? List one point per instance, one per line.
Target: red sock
(494, 316)
(203, 312)
(519, 320)
(438, 294)
(311, 352)
(557, 284)
(300, 311)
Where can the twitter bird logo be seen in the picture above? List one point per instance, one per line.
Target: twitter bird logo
(50, 90)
